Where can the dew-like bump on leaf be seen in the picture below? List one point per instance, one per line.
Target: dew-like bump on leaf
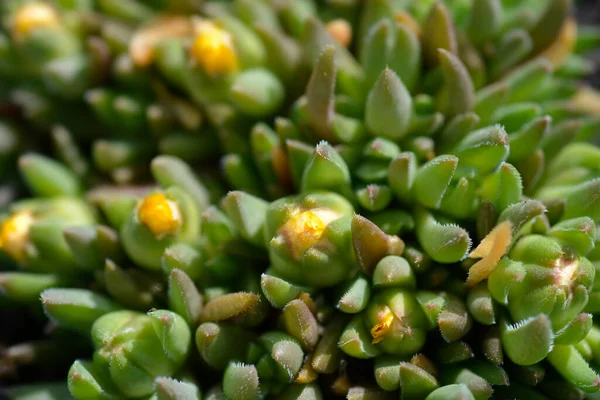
(529, 341)
(46, 177)
(522, 212)
(387, 372)
(584, 200)
(460, 200)
(279, 292)
(575, 331)
(370, 243)
(355, 295)
(378, 44)
(289, 358)
(406, 56)
(514, 46)
(221, 343)
(82, 241)
(173, 333)
(184, 297)
(485, 21)
(481, 306)
(402, 172)
(85, 381)
(455, 352)
(356, 340)
(300, 323)
(494, 374)
(172, 389)
(320, 93)
(371, 13)
(327, 355)
(295, 391)
(374, 197)
(526, 79)
(317, 39)
(458, 95)
(240, 382)
(299, 154)
(438, 33)
(124, 288)
(25, 287)
(76, 308)
(558, 136)
(485, 149)
(478, 386)
(574, 368)
(415, 382)
(389, 107)
(248, 213)
(491, 346)
(285, 54)
(432, 305)
(228, 306)
(456, 129)
(454, 321)
(394, 271)
(453, 391)
(488, 99)
(579, 233)
(187, 258)
(514, 116)
(257, 92)
(433, 178)
(532, 169)
(524, 141)
(326, 170)
(444, 243)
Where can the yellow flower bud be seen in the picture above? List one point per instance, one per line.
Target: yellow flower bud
(213, 49)
(302, 231)
(341, 31)
(307, 374)
(160, 215)
(386, 320)
(565, 269)
(14, 234)
(491, 249)
(32, 16)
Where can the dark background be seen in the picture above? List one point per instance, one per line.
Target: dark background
(588, 13)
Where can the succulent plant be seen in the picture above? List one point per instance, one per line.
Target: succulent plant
(298, 199)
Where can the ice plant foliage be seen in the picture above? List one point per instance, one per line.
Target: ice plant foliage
(298, 199)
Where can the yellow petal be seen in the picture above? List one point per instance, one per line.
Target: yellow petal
(302, 231)
(382, 327)
(14, 234)
(562, 48)
(142, 44)
(490, 250)
(159, 214)
(213, 49)
(32, 16)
